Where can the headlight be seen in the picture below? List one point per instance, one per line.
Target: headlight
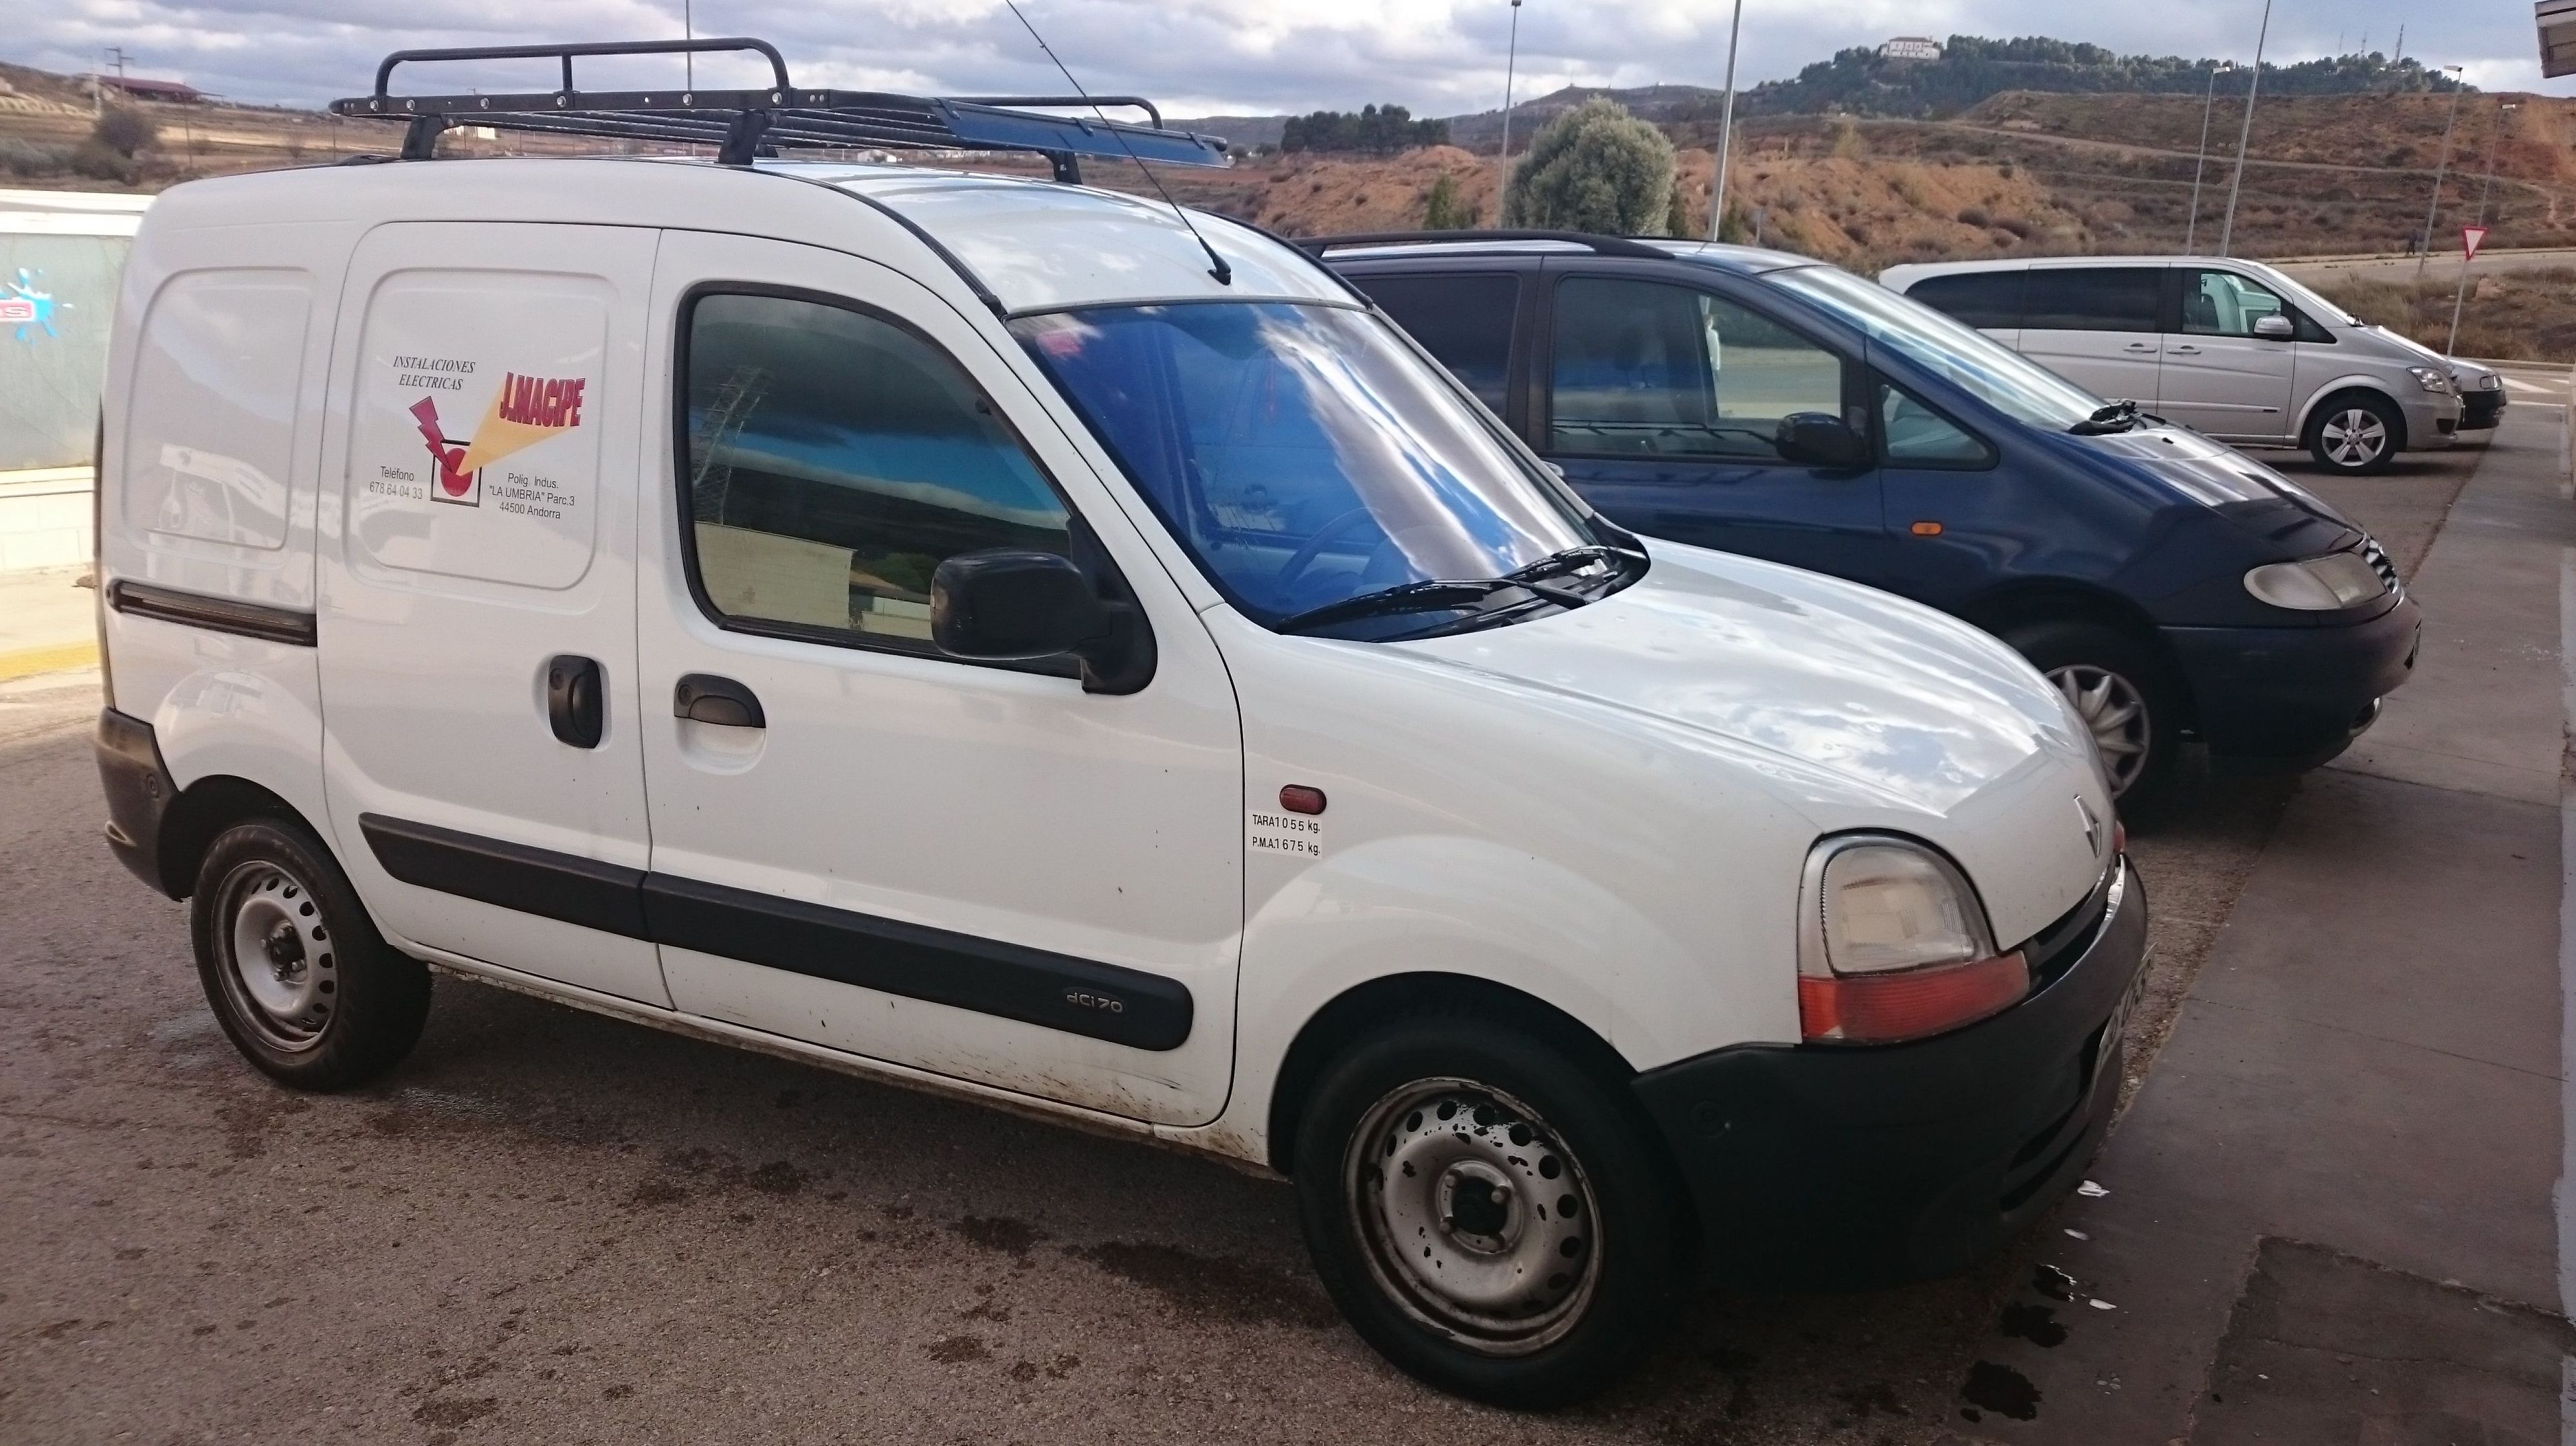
(2491, 383)
(2431, 379)
(2316, 584)
(1894, 946)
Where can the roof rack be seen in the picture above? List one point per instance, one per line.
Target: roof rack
(743, 124)
(1598, 245)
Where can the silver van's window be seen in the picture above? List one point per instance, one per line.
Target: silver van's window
(2222, 303)
(1962, 355)
(1644, 369)
(834, 461)
(1301, 453)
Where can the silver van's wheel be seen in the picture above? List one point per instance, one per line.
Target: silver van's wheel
(2356, 432)
(279, 969)
(292, 966)
(1478, 1221)
(1488, 1205)
(2116, 712)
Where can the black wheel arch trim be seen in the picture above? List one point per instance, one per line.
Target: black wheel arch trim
(1011, 981)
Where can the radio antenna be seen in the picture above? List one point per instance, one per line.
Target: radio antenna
(1217, 268)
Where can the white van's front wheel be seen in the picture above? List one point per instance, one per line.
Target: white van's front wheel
(2356, 433)
(1489, 1215)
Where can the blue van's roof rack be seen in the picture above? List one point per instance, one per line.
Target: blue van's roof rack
(743, 124)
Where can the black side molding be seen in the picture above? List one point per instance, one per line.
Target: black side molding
(1010, 981)
(215, 614)
(139, 791)
(1058, 991)
(595, 895)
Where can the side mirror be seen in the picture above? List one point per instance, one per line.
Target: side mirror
(1821, 439)
(2275, 327)
(1016, 605)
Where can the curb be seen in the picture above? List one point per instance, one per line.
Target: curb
(27, 662)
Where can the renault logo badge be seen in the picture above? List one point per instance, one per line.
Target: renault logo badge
(2092, 828)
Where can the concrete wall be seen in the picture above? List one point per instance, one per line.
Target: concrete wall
(44, 518)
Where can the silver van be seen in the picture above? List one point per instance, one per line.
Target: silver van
(2233, 348)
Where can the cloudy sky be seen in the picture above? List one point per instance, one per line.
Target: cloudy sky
(1213, 56)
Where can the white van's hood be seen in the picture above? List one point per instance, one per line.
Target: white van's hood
(1862, 709)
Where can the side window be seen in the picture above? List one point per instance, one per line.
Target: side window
(209, 441)
(1466, 321)
(1987, 299)
(1646, 369)
(2091, 298)
(2222, 303)
(1911, 434)
(833, 461)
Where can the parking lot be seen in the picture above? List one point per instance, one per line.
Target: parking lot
(549, 1225)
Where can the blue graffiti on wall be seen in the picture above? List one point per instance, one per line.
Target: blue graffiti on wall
(27, 308)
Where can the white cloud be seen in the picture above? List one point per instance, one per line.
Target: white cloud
(1198, 56)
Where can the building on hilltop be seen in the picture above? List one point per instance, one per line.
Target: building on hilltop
(1911, 47)
(135, 87)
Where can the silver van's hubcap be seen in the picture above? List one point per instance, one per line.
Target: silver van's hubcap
(2115, 713)
(1476, 1219)
(280, 971)
(2354, 437)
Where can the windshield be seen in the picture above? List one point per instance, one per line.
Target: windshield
(1304, 455)
(1953, 350)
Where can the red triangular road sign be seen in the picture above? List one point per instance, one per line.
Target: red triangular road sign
(2471, 238)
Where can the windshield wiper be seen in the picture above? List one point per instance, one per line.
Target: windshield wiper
(1558, 563)
(2117, 417)
(1428, 595)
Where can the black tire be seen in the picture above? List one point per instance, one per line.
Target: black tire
(2078, 657)
(1561, 1336)
(324, 1003)
(2356, 433)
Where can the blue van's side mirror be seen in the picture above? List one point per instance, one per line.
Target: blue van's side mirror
(1821, 439)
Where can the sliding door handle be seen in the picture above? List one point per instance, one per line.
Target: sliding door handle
(576, 700)
(707, 698)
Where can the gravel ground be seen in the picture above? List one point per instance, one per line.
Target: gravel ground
(548, 1226)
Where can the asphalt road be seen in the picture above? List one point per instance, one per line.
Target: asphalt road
(547, 1226)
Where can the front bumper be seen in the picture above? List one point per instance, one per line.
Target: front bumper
(2432, 420)
(2292, 698)
(2481, 411)
(1851, 1167)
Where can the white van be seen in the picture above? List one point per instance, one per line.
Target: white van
(2233, 348)
(963, 631)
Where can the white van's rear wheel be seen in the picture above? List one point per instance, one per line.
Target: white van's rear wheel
(292, 966)
(1491, 1216)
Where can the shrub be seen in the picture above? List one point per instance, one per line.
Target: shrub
(123, 131)
(33, 158)
(1975, 216)
(1594, 168)
(99, 161)
(1442, 210)
(2019, 228)
(1377, 130)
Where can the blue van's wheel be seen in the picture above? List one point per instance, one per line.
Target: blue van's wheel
(1490, 1215)
(2123, 694)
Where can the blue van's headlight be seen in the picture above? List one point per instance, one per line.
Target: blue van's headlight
(2316, 584)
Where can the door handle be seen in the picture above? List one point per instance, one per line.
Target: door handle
(576, 700)
(2140, 346)
(706, 698)
(2186, 351)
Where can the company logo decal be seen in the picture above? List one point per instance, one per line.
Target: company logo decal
(524, 411)
(24, 307)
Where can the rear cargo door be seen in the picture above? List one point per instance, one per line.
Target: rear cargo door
(477, 617)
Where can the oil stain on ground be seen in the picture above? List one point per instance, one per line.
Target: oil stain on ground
(1213, 1288)
(2000, 1389)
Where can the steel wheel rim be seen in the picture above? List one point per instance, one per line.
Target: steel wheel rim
(279, 968)
(2115, 713)
(1458, 1192)
(2354, 437)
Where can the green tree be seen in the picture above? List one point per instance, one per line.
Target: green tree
(1373, 130)
(1594, 168)
(1443, 210)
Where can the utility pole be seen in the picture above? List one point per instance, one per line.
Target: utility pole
(2434, 208)
(2459, 298)
(2253, 87)
(688, 31)
(1511, 58)
(1725, 129)
(2191, 230)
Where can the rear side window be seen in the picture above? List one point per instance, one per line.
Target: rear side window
(1642, 368)
(1465, 321)
(1989, 300)
(2092, 298)
(833, 460)
(209, 441)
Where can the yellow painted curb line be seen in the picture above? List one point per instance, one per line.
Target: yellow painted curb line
(26, 662)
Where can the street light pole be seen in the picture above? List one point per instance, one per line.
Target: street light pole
(1511, 58)
(2253, 87)
(2433, 208)
(2191, 229)
(2495, 135)
(1725, 128)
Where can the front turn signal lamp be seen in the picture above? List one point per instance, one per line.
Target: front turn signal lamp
(1894, 946)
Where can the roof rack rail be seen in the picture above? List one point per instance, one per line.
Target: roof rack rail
(1598, 245)
(743, 124)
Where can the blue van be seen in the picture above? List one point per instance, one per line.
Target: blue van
(1772, 405)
